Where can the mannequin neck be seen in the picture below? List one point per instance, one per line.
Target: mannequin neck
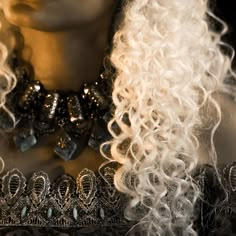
(66, 60)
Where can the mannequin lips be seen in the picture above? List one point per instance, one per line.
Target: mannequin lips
(21, 7)
(28, 3)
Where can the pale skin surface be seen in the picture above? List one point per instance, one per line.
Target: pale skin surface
(225, 135)
(65, 41)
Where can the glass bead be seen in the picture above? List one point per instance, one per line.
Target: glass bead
(65, 147)
(25, 139)
(49, 107)
(98, 135)
(31, 95)
(75, 109)
(95, 96)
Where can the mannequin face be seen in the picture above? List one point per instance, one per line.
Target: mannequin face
(55, 15)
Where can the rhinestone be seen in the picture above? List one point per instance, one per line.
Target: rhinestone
(102, 213)
(23, 211)
(75, 213)
(49, 213)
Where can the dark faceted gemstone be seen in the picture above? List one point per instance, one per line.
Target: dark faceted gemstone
(5, 120)
(65, 147)
(25, 139)
(98, 135)
(49, 106)
(79, 134)
(31, 96)
(75, 109)
(95, 96)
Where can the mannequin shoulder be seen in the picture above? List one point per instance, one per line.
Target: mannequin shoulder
(226, 133)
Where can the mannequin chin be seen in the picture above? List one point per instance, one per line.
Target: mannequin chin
(54, 15)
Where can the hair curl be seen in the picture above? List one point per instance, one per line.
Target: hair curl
(7, 78)
(168, 62)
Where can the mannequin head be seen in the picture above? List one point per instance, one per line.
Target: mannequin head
(168, 62)
(55, 15)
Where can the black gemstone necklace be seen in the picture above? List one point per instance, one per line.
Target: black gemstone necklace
(80, 117)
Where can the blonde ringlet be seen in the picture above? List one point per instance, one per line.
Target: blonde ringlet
(169, 62)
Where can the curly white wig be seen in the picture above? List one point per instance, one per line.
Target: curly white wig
(168, 63)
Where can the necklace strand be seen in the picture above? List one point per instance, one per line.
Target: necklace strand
(80, 117)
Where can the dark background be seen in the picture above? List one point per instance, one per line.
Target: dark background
(226, 10)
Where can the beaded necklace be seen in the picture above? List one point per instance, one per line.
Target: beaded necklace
(80, 117)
